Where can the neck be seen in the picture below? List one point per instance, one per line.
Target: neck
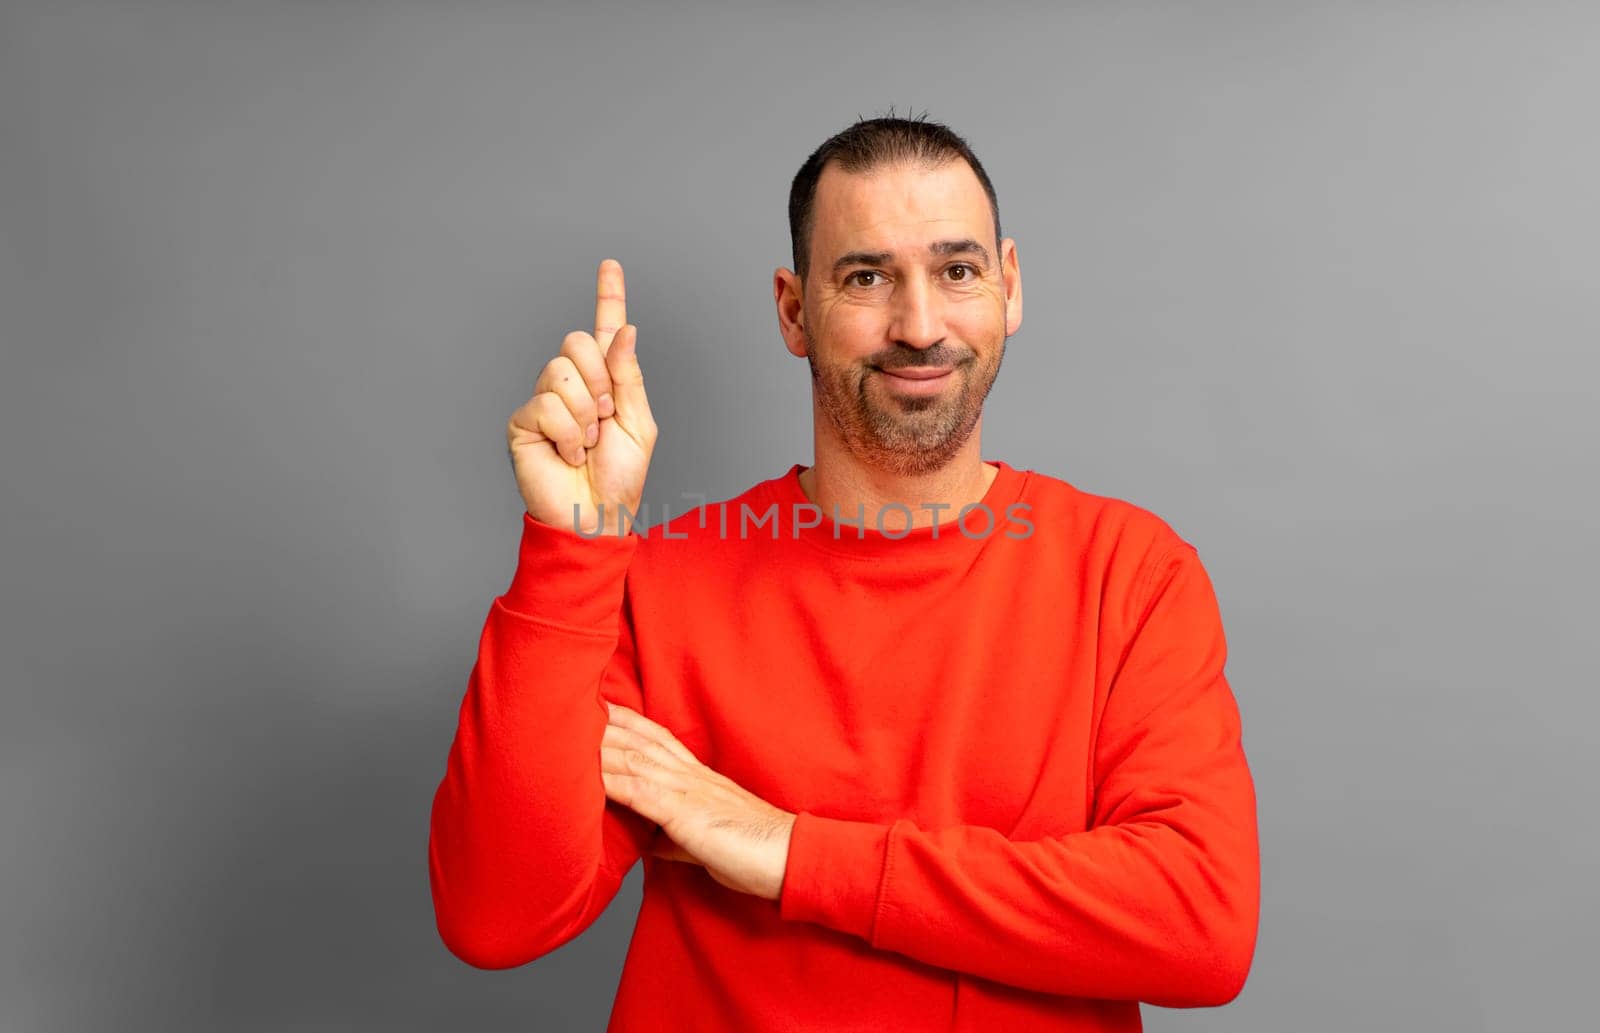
(840, 481)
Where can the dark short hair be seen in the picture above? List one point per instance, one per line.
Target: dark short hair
(867, 145)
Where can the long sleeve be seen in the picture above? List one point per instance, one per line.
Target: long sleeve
(524, 848)
(1157, 901)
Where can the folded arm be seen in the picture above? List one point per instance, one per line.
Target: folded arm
(524, 849)
(1157, 901)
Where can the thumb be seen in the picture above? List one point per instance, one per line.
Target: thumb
(627, 381)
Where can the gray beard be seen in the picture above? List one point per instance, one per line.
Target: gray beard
(905, 436)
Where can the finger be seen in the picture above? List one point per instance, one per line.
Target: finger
(590, 361)
(545, 417)
(635, 727)
(627, 387)
(636, 794)
(666, 752)
(561, 378)
(610, 303)
(636, 764)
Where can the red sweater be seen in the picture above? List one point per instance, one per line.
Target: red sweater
(1022, 799)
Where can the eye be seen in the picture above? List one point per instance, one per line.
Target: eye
(855, 278)
(961, 272)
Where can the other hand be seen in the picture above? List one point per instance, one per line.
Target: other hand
(741, 840)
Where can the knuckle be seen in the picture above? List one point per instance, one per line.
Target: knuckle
(589, 361)
(552, 372)
(546, 405)
(577, 344)
(562, 367)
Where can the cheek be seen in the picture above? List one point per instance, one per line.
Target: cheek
(853, 330)
(978, 317)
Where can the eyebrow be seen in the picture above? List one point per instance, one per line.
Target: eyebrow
(940, 247)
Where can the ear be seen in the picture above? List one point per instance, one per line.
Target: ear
(789, 296)
(1011, 274)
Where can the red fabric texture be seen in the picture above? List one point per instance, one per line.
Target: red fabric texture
(1023, 801)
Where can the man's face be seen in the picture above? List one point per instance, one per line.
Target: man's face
(906, 280)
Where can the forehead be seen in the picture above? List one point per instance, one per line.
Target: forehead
(897, 207)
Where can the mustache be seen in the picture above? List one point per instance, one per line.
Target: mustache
(910, 358)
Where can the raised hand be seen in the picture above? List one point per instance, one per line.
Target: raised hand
(584, 439)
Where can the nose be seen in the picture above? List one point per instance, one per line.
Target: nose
(917, 316)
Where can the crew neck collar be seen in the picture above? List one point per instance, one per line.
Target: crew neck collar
(934, 541)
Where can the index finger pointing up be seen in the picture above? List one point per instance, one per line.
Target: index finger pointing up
(610, 303)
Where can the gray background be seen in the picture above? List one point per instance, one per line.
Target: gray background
(1316, 283)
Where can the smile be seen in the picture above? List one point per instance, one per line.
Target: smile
(919, 379)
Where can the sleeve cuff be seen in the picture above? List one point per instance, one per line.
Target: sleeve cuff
(835, 872)
(565, 578)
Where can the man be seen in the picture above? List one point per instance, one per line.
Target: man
(907, 740)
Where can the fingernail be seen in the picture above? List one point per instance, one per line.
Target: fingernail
(607, 406)
(592, 434)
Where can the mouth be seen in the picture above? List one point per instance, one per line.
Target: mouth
(919, 372)
(918, 381)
